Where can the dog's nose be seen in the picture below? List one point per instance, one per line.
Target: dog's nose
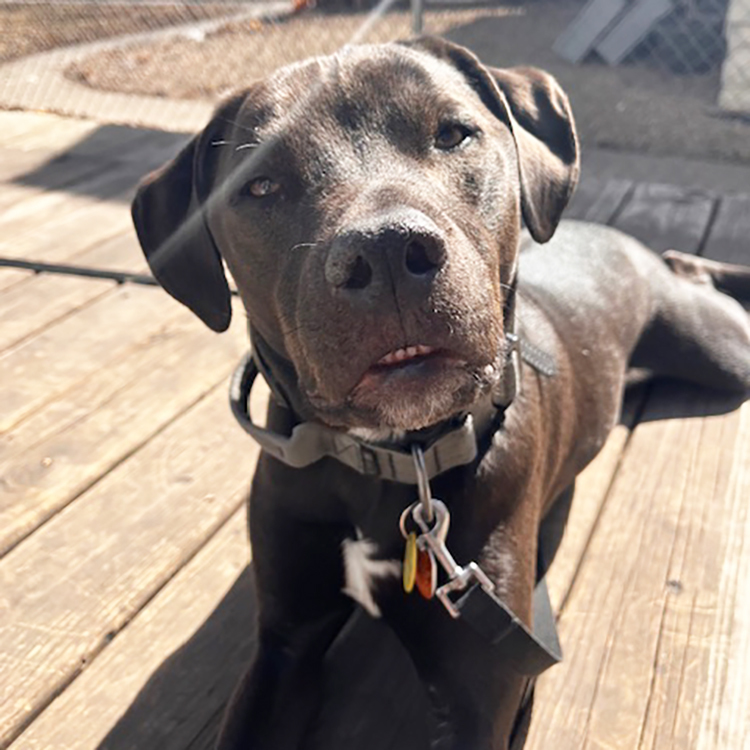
(404, 252)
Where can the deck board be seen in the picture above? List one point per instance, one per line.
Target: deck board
(655, 596)
(34, 373)
(131, 696)
(615, 621)
(27, 308)
(86, 573)
(59, 172)
(667, 217)
(730, 237)
(50, 458)
(127, 625)
(598, 200)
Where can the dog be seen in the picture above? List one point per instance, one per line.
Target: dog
(391, 216)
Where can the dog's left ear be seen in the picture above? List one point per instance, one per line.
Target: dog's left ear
(538, 113)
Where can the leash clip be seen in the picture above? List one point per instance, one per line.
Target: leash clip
(433, 519)
(470, 574)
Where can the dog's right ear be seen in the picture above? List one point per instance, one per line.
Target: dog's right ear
(168, 213)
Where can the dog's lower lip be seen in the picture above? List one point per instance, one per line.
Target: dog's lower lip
(405, 365)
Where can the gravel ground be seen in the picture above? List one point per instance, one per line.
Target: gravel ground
(243, 51)
(632, 108)
(37, 27)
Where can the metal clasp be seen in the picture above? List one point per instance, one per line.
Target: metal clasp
(423, 481)
(433, 519)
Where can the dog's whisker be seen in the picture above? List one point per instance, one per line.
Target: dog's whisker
(301, 245)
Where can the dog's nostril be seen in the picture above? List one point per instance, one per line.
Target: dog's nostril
(360, 274)
(418, 259)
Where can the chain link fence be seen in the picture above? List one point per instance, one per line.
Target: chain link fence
(679, 37)
(660, 76)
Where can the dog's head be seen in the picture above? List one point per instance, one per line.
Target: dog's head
(368, 206)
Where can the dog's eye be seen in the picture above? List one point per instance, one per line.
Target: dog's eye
(261, 187)
(451, 135)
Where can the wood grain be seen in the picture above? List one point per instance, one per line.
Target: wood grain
(11, 276)
(76, 582)
(34, 130)
(651, 620)
(667, 217)
(27, 308)
(53, 206)
(48, 461)
(43, 367)
(598, 199)
(118, 253)
(729, 240)
(197, 633)
(20, 170)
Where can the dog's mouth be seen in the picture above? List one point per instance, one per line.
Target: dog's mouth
(406, 366)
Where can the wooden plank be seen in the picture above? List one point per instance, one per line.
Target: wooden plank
(592, 486)
(170, 670)
(58, 171)
(655, 637)
(59, 241)
(29, 131)
(27, 308)
(593, 21)
(45, 467)
(34, 373)
(631, 28)
(75, 583)
(13, 122)
(598, 200)
(62, 240)
(51, 207)
(11, 276)
(729, 240)
(667, 217)
(81, 138)
(119, 253)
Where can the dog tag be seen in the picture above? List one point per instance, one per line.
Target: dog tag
(409, 571)
(426, 573)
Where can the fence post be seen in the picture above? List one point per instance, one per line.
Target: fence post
(417, 13)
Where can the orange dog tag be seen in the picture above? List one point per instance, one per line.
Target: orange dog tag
(426, 573)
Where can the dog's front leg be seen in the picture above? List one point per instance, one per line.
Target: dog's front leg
(277, 699)
(299, 577)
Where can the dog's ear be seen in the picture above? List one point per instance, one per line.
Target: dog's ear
(168, 213)
(538, 113)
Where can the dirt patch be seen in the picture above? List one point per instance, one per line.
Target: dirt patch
(30, 28)
(632, 107)
(229, 58)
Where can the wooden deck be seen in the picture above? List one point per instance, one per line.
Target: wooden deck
(125, 600)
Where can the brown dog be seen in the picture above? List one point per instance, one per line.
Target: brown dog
(370, 206)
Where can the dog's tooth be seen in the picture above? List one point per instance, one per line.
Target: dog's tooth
(411, 351)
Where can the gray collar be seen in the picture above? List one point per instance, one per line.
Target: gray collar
(454, 443)
(310, 441)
